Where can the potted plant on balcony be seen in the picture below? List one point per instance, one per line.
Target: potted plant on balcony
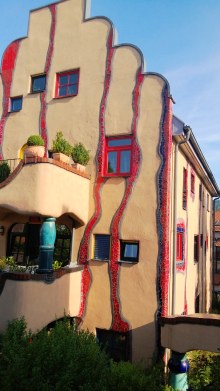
(81, 157)
(35, 146)
(61, 148)
(4, 170)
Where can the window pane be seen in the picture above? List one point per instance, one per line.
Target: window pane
(16, 104)
(125, 161)
(112, 162)
(62, 91)
(131, 250)
(73, 78)
(72, 90)
(102, 247)
(38, 83)
(63, 80)
(119, 142)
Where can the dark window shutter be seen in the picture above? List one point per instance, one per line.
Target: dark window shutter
(102, 246)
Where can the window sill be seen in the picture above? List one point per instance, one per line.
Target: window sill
(99, 260)
(128, 262)
(65, 96)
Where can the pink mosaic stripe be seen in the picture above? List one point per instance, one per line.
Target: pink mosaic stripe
(84, 246)
(43, 124)
(8, 65)
(165, 205)
(118, 324)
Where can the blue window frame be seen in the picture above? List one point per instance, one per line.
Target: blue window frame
(38, 83)
(16, 104)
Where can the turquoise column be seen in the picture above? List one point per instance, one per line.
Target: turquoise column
(47, 240)
(179, 366)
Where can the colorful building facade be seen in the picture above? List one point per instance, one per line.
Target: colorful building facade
(137, 225)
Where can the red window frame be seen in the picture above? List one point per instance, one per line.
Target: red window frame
(179, 246)
(68, 84)
(118, 149)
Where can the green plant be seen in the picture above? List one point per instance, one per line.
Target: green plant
(80, 154)
(2, 263)
(4, 171)
(61, 145)
(57, 265)
(35, 140)
(204, 370)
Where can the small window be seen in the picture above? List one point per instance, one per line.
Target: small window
(102, 247)
(118, 156)
(196, 248)
(38, 83)
(67, 84)
(129, 251)
(185, 174)
(16, 104)
(116, 344)
(192, 183)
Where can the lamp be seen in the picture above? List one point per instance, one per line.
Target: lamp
(2, 230)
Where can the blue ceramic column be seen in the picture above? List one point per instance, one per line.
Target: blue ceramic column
(47, 240)
(179, 366)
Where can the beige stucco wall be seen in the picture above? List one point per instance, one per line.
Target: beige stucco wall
(83, 45)
(39, 302)
(48, 190)
(197, 220)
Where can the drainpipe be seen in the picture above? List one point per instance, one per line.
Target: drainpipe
(213, 244)
(187, 131)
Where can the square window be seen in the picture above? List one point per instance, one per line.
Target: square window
(16, 104)
(38, 83)
(129, 251)
(102, 247)
(118, 156)
(67, 84)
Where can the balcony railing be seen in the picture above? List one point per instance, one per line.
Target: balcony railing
(11, 165)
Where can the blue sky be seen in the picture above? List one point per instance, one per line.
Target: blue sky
(179, 39)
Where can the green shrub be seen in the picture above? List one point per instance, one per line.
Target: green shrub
(204, 370)
(61, 145)
(4, 171)
(35, 140)
(68, 360)
(80, 154)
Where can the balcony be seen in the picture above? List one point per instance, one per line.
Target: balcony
(45, 187)
(191, 332)
(41, 299)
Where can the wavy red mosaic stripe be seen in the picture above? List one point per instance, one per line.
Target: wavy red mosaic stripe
(118, 324)
(84, 246)
(43, 124)
(8, 65)
(165, 205)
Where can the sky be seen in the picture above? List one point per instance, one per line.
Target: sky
(179, 39)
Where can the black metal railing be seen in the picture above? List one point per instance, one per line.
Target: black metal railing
(7, 166)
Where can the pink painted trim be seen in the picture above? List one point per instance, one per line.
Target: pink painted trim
(118, 324)
(43, 124)
(8, 65)
(165, 209)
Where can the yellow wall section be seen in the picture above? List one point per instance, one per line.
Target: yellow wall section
(119, 112)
